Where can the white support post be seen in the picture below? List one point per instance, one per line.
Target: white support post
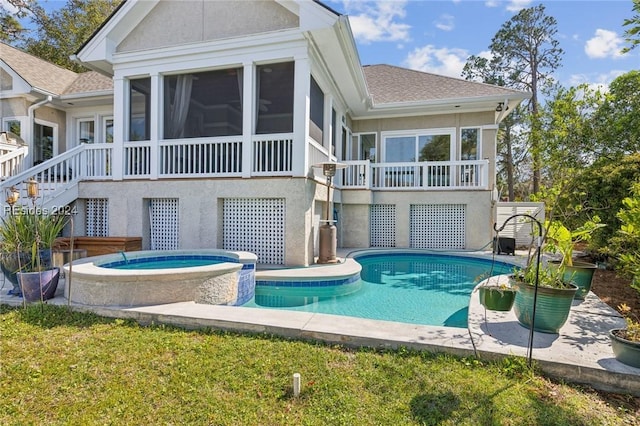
(120, 117)
(155, 124)
(302, 87)
(248, 116)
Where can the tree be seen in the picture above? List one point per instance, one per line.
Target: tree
(59, 34)
(525, 53)
(618, 119)
(632, 34)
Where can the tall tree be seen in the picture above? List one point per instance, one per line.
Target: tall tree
(484, 69)
(526, 52)
(60, 33)
(632, 33)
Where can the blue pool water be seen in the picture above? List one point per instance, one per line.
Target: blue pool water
(166, 262)
(428, 289)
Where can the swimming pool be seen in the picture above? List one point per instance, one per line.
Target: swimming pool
(414, 287)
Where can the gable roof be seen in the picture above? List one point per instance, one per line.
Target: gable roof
(389, 84)
(46, 77)
(38, 73)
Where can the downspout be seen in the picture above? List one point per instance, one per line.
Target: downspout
(31, 125)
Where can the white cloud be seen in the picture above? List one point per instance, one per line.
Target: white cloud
(596, 80)
(517, 5)
(445, 23)
(442, 61)
(605, 44)
(377, 20)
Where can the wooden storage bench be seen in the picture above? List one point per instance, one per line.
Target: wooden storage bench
(96, 246)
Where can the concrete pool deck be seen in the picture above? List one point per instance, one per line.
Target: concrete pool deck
(580, 353)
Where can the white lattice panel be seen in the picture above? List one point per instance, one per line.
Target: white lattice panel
(164, 223)
(383, 225)
(97, 217)
(256, 225)
(437, 226)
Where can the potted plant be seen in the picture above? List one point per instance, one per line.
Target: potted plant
(27, 237)
(559, 239)
(553, 300)
(625, 342)
(496, 293)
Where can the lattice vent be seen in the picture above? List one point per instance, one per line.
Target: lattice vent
(383, 225)
(438, 226)
(97, 217)
(256, 225)
(164, 223)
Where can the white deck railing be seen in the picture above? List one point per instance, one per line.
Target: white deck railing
(211, 157)
(272, 155)
(432, 175)
(11, 159)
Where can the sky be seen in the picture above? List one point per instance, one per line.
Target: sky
(438, 36)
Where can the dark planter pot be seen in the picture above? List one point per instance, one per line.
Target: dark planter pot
(39, 285)
(626, 351)
(497, 299)
(10, 265)
(552, 307)
(581, 274)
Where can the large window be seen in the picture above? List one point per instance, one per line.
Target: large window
(316, 112)
(423, 146)
(11, 125)
(203, 104)
(469, 144)
(274, 87)
(140, 109)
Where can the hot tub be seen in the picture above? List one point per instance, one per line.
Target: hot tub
(140, 278)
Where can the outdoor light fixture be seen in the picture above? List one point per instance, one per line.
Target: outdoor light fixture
(13, 195)
(328, 241)
(499, 107)
(32, 189)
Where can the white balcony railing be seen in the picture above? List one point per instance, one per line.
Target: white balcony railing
(431, 175)
(12, 159)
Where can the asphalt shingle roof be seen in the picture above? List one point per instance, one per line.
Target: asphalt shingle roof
(390, 84)
(51, 78)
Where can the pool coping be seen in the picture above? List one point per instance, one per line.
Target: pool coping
(581, 353)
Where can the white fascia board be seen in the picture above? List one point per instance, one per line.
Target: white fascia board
(210, 55)
(314, 16)
(87, 95)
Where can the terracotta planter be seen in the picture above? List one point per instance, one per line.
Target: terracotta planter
(496, 299)
(581, 274)
(552, 307)
(626, 351)
(38, 286)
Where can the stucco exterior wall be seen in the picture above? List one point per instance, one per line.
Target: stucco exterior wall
(423, 122)
(15, 107)
(204, 20)
(355, 220)
(200, 209)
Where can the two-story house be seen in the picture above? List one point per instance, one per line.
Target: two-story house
(200, 122)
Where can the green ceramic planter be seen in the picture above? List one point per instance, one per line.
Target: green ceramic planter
(552, 307)
(496, 299)
(626, 351)
(581, 274)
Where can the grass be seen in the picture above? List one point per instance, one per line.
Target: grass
(70, 368)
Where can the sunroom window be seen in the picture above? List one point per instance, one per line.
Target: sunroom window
(423, 146)
(274, 89)
(316, 113)
(140, 109)
(203, 104)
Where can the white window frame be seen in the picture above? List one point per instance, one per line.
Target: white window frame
(55, 128)
(359, 144)
(21, 120)
(79, 122)
(451, 131)
(479, 141)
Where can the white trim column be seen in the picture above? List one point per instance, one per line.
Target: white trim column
(120, 108)
(249, 77)
(302, 87)
(155, 123)
(328, 132)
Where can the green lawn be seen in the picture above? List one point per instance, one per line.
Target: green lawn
(63, 367)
